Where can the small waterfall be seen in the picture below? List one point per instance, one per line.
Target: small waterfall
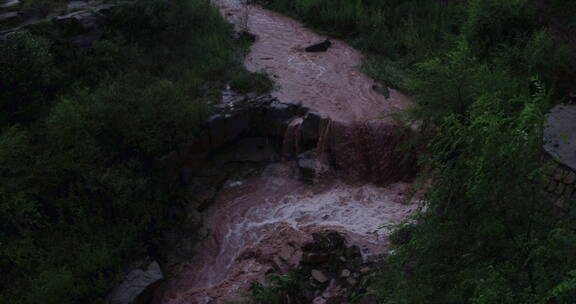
(324, 145)
(292, 136)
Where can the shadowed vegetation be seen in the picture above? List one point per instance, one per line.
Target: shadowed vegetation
(81, 132)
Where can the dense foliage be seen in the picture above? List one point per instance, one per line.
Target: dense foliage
(482, 72)
(396, 35)
(81, 132)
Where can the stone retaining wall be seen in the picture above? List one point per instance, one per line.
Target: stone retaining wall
(561, 186)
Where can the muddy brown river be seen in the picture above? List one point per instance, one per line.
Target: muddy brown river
(328, 82)
(255, 220)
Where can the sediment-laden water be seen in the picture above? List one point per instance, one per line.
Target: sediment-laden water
(257, 219)
(328, 82)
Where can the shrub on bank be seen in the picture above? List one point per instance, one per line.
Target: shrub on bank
(80, 135)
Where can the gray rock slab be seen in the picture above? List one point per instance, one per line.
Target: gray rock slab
(311, 127)
(10, 4)
(277, 117)
(135, 283)
(560, 134)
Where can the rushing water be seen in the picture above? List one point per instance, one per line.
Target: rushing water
(328, 82)
(262, 215)
(255, 220)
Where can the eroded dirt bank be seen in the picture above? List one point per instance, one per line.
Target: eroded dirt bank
(256, 220)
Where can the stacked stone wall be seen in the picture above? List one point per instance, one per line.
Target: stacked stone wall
(561, 186)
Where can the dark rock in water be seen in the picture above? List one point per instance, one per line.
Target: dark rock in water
(136, 283)
(319, 47)
(311, 127)
(382, 90)
(244, 36)
(277, 117)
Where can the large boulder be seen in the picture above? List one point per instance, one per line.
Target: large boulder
(560, 134)
(276, 118)
(224, 128)
(311, 127)
(319, 47)
(136, 283)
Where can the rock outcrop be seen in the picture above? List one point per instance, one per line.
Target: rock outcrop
(560, 134)
(82, 24)
(137, 286)
(328, 272)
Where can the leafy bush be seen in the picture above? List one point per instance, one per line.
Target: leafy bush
(27, 76)
(80, 136)
(476, 241)
(493, 24)
(273, 292)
